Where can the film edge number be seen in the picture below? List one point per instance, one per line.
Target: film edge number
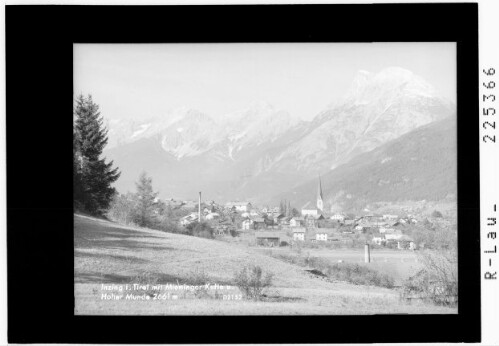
(489, 111)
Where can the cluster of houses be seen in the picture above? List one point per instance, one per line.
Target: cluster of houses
(383, 231)
(272, 226)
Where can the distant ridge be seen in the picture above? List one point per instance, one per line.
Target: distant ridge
(421, 164)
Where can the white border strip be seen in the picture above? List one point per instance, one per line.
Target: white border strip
(489, 167)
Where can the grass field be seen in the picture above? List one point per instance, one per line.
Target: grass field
(398, 264)
(108, 253)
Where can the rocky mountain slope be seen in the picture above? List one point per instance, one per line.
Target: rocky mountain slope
(260, 151)
(420, 165)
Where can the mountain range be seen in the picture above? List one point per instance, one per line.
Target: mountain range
(261, 153)
(420, 165)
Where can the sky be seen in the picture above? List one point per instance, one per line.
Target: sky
(138, 81)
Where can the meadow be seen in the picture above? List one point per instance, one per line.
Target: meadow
(108, 253)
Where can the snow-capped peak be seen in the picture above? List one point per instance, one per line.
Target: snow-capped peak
(387, 83)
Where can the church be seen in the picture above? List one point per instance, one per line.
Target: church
(309, 209)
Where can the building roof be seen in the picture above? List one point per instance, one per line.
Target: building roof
(398, 237)
(259, 219)
(299, 230)
(310, 206)
(300, 218)
(311, 209)
(316, 217)
(405, 238)
(393, 231)
(366, 223)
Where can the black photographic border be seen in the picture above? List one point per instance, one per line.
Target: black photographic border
(39, 72)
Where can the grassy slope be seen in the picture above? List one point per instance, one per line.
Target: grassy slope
(109, 253)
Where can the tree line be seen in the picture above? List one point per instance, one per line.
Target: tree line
(93, 175)
(287, 210)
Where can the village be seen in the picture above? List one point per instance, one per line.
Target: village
(282, 225)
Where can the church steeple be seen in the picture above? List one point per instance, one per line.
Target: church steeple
(320, 202)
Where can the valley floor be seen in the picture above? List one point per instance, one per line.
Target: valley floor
(108, 253)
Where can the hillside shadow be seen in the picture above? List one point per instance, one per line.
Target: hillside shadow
(156, 278)
(121, 244)
(89, 235)
(106, 257)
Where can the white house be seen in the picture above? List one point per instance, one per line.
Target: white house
(359, 228)
(239, 206)
(275, 210)
(338, 217)
(212, 216)
(393, 236)
(247, 224)
(405, 242)
(379, 239)
(387, 230)
(299, 234)
(389, 217)
(321, 236)
(296, 222)
(255, 212)
(311, 212)
(186, 220)
(310, 209)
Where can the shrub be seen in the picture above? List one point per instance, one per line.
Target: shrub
(437, 281)
(252, 281)
(353, 273)
(200, 278)
(149, 280)
(202, 230)
(167, 225)
(358, 275)
(436, 213)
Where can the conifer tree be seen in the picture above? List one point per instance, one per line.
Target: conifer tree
(93, 176)
(283, 207)
(288, 209)
(145, 202)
